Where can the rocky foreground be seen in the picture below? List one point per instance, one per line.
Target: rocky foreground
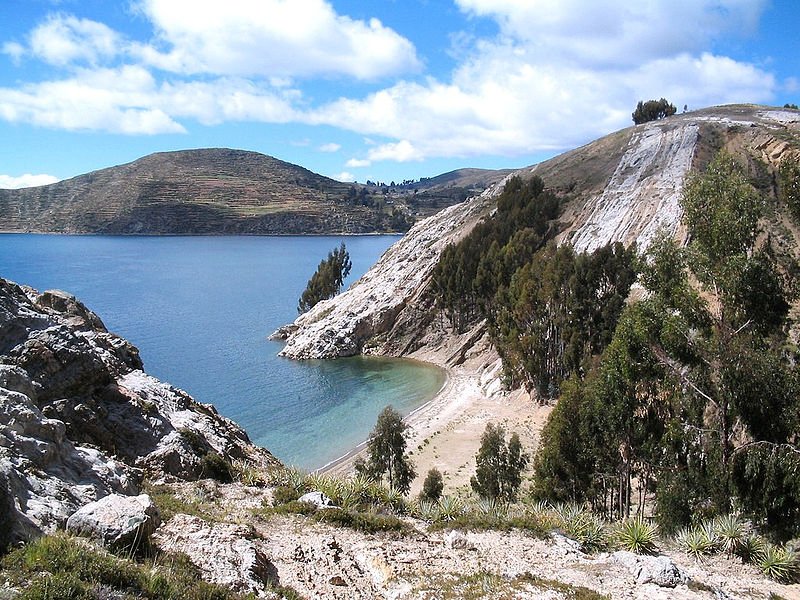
(84, 431)
(79, 418)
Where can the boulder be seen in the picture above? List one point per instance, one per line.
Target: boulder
(227, 554)
(659, 570)
(318, 499)
(117, 521)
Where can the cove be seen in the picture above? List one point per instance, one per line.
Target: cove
(200, 308)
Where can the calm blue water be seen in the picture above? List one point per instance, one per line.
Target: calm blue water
(200, 308)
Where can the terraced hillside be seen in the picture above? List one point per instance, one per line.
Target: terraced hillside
(208, 191)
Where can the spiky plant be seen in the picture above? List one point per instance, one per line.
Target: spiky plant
(731, 532)
(449, 508)
(426, 510)
(694, 542)
(594, 533)
(637, 535)
(395, 500)
(288, 477)
(492, 508)
(779, 564)
(750, 548)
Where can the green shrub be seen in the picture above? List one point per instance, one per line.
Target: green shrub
(214, 466)
(779, 564)
(62, 567)
(433, 486)
(637, 535)
(284, 494)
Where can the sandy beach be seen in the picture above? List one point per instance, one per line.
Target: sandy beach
(445, 432)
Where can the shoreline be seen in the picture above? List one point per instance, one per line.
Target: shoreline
(348, 458)
(445, 432)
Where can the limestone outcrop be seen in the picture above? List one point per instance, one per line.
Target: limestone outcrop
(80, 420)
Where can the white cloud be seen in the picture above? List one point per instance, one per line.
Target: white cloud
(15, 50)
(330, 147)
(402, 151)
(9, 182)
(129, 100)
(271, 38)
(357, 163)
(559, 74)
(617, 32)
(64, 39)
(345, 177)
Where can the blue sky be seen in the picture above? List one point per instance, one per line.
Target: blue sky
(381, 90)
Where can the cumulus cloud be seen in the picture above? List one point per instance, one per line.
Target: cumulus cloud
(129, 100)
(358, 163)
(345, 177)
(559, 74)
(10, 182)
(273, 38)
(63, 39)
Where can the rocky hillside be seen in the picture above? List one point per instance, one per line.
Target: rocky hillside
(623, 187)
(221, 191)
(80, 420)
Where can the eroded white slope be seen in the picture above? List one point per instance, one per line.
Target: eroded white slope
(340, 326)
(643, 194)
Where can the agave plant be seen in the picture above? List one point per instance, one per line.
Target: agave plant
(694, 542)
(779, 564)
(492, 508)
(750, 548)
(288, 477)
(449, 508)
(426, 510)
(731, 532)
(593, 533)
(637, 535)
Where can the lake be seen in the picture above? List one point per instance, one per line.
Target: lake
(200, 309)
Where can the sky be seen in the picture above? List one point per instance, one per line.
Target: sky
(381, 90)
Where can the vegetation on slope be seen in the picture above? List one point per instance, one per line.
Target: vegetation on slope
(696, 396)
(549, 309)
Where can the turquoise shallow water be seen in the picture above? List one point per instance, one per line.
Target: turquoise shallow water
(200, 308)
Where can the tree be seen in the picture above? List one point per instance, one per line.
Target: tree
(652, 110)
(499, 465)
(328, 279)
(386, 449)
(433, 486)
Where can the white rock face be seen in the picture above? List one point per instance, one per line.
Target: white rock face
(341, 326)
(640, 198)
(643, 193)
(659, 570)
(79, 420)
(226, 554)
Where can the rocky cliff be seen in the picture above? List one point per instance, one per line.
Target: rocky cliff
(623, 187)
(79, 419)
